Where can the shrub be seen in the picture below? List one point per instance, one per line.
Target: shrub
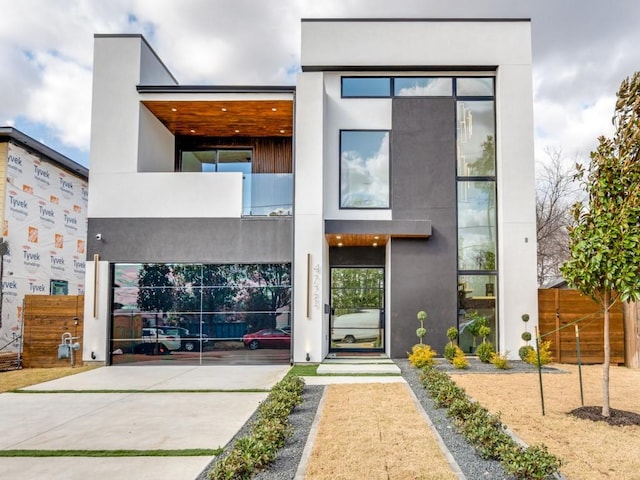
(422, 356)
(452, 334)
(459, 359)
(545, 354)
(484, 332)
(500, 361)
(534, 462)
(268, 433)
(484, 352)
(421, 332)
(526, 336)
(485, 431)
(449, 351)
(524, 351)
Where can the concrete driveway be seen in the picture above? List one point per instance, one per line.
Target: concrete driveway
(129, 408)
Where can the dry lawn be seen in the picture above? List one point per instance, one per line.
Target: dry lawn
(374, 431)
(591, 450)
(14, 379)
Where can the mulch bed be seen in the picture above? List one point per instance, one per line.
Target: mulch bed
(619, 418)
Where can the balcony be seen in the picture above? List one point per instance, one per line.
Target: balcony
(267, 194)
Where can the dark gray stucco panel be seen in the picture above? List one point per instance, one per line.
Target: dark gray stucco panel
(402, 228)
(423, 272)
(219, 240)
(356, 256)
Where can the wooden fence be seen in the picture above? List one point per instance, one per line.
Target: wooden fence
(46, 318)
(559, 309)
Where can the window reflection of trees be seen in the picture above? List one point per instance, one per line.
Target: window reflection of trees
(190, 295)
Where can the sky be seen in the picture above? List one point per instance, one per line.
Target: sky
(582, 50)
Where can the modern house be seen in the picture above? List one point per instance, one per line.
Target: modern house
(43, 200)
(396, 176)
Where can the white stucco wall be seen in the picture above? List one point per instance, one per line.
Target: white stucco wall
(95, 337)
(434, 43)
(348, 114)
(167, 195)
(310, 333)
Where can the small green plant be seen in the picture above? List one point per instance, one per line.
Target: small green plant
(523, 352)
(422, 355)
(484, 332)
(476, 321)
(534, 462)
(459, 359)
(450, 348)
(449, 351)
(526, 336)
(545, 354)
(421, 331)
(525, 317)
(484, 352)
(500, 361)
(452, 334)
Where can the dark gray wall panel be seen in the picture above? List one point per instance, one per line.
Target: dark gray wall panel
(220, 240)
(356, 256)
(421, 279)
(422, 157)
(423, 272)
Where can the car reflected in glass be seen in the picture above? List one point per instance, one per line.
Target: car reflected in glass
(267, 338)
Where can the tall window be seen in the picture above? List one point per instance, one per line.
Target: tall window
(477, 235)
(364, 169)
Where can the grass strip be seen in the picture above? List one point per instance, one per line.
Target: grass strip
(186, 452)
(247, 390)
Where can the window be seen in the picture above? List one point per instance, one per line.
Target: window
(59, 287)
(476, 138)
(366, 86)
(364, 169)
(474, 87)
(477, 225)
(216, 160)
(422, 87)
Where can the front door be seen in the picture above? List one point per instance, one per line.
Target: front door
(357, 309)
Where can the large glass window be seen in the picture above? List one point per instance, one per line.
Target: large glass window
(477, 225)
(364, 169)
(366, 86)
(476, 138)
(198, 313)
(422, 87)
(216, 160)
(476, 307)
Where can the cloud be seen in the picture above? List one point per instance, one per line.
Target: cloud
(582, 49)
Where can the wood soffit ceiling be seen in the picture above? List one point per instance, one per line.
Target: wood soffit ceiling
(225, 118)
(356, 240)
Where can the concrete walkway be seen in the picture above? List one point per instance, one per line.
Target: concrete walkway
(137, 414)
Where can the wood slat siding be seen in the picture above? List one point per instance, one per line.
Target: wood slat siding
(46, 318)
(561, 308)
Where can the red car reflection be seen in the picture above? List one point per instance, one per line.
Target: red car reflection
(267, 338)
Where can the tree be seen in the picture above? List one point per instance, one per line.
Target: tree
(156, 292)
(556, 190)
(604, 238)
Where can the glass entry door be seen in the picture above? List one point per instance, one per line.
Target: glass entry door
(357, 308)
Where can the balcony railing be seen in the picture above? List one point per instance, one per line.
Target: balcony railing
(267, 194)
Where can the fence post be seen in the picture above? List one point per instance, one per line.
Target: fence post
(539, 369)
